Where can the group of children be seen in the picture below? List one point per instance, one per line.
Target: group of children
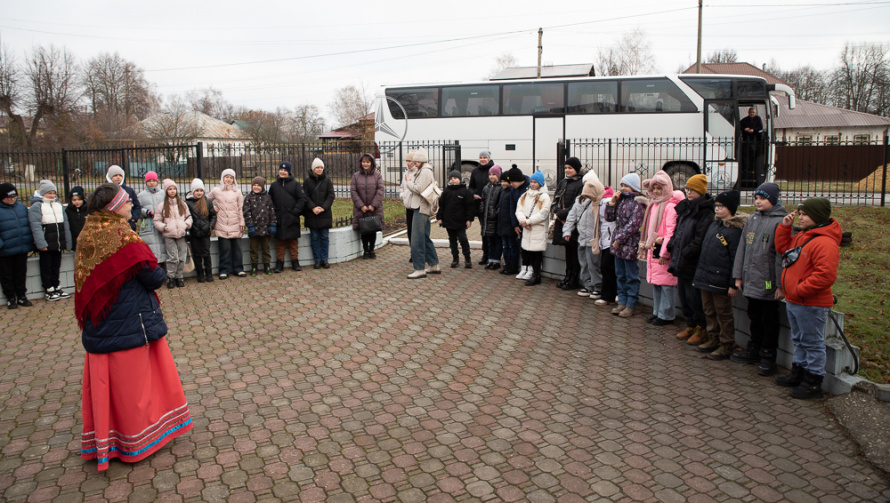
(169, 224)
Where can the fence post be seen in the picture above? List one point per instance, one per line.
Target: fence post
(610, 161)
(884, 175)
(199, 160)
(65, 173)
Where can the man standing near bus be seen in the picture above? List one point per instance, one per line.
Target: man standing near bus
(752, 134)
(478, 181)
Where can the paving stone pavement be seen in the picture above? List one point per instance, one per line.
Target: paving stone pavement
(357, 384)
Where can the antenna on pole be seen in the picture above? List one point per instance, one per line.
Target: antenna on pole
(540, 49)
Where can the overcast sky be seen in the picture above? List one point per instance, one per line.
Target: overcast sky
(265, 54)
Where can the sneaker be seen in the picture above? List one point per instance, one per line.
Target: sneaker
(51, 295)
(11, 304)
(583, 292)
(223, 276)
(528, 274)
(433, 269)
(602, 302)
(658, 322)
(241, 274)
(62, 294)
(419, 273)
(24, 302)
(595, 295)
(455, 264)
(522, 270)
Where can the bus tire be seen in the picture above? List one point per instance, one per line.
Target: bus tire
(679, 173)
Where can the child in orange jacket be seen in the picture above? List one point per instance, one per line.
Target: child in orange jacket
(809, 269)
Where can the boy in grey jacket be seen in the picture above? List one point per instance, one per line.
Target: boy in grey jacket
(757, 272)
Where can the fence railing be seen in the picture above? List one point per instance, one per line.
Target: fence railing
(848, 173)
(182, 163)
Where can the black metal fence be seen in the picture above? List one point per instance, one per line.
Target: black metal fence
(848, 173)
(183, 163)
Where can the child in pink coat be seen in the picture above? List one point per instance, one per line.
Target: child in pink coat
(658, 227)
(173, 220)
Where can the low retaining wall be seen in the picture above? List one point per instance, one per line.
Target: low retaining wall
(836, 381)
(345, 245)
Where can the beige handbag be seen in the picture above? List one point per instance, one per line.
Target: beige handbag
(189, 263)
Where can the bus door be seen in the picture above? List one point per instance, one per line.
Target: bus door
(547, 130)
(753, 146)
(721, 148)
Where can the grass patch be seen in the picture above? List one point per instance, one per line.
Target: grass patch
(862, 285)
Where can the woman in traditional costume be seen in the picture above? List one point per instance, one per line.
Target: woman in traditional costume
(133, 402)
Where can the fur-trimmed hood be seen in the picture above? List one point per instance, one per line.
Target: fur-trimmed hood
(736, 221)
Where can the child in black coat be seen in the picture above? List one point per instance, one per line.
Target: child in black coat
(77, 213)
(456, 210)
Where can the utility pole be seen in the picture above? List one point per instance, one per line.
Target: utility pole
(698, 51)
(541, 48)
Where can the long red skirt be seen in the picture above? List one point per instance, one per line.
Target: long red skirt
(133, 404)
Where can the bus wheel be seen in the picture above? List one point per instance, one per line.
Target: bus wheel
(679, 173)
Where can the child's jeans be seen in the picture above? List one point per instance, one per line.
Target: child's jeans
(318, 239)
(807, 333)
(495, 248)
(627, 273)
(510, 246)
(50, 268)
(230, 261)
(590, 275)
(663, 302)
(455, 235)
(259, 246)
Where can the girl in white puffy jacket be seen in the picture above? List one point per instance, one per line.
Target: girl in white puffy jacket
(52, 235)
(533, 213)
(173, 219)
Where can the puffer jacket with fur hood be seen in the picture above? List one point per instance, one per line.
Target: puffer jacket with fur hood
(534, 209)
(718, 251)
(228, 201)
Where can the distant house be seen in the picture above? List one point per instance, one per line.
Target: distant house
(192, 126)
(812, 122)
(547, 72)
(357, 132)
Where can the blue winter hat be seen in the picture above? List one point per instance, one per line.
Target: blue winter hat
(537, 177)
(632, 180)
(285, 165)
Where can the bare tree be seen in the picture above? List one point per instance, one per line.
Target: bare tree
(10, 94)
(263, 128)
(632, 55)
(176, 127)
(117, 92)
(305, 124)
(861, 80)
(211, 102)
(723, 56)
(502, 62)
(52, 77)
(350, 104)
(808, 83)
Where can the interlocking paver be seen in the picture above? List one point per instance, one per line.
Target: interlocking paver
(356, 384)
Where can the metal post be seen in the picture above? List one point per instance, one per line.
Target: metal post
(199, 159)
(610, 161)
(698, 50)
(884, 174)
(65, 172)
(540, 49)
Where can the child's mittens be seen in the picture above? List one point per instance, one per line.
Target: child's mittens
(273, 229)
(251, 230)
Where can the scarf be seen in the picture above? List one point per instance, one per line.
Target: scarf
(108, 255)
(650, 233)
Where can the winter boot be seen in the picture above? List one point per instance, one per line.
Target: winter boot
(810, 387)
(296, 265)
(711, 344)
(767, 365)
(793, 378)
(533, 279)
(468, 263)
(750, 355)
(721, 353)
(699, 336)
(279, 266)
(267, 269)
(685, 334)
(253, 269)
(209, 277)
(455, 261)
(617, 309)
(180, 282)
(171, 283)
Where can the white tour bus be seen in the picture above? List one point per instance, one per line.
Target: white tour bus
(521, 121)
